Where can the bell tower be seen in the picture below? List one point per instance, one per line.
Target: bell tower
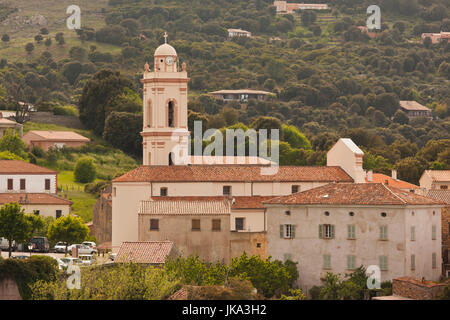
(165, 133)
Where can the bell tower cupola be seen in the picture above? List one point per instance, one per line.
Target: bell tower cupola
(165, 133)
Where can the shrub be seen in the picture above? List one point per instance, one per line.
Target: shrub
(85, 170)
(65, 111)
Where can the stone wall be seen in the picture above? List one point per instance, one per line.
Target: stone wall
(102, 217)
(252, 243)
(416, 289)
(9, 290)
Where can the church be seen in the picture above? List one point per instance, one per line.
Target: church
(221, 209)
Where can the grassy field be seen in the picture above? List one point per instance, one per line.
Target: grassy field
(54, 12)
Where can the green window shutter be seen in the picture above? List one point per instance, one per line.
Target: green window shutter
(332, 231)
(293, 231)
(320, 231)
(433, 256)
(413, 262)
(433, 232)
(413, 233)
(281, 231)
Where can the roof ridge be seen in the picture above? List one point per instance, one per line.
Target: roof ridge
(396, 195)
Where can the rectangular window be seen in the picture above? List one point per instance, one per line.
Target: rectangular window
(22, 184)
(326, 231)
(163, 192)
(413, 262)
(114, 191)
(351, 231)
(413, 233)
(433, 232)
(383, 233)
(227, 190)
(239, 223)
(58, 214)
(47, 184)
(295, 189)
(287, 231)
(434, 260)
(154, 224)
(195, 224)
(10, 184)
(326, 261)
(351, 262)
(216, 224)
(383, 263)
(444, 187)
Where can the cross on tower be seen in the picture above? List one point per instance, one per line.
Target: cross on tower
(165, 36)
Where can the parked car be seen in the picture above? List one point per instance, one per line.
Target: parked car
(90, 244)
(82, 249)
(40, 244)
(4, 244)
(87, 259)
(60, 247)
(20, 257)
(66, 261)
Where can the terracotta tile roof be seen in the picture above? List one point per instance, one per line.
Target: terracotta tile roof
(9, 122)
(440, 195)
(148, 252)
(22, 167)
(181, 294)
(32, 198)
(355, 194)
(233, 173)
(240, 202)
(57, 136)
(425, 283)
(439, 175)
(413, 106)
(185, 206)
(382, 178)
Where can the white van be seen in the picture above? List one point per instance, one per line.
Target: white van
(4, 244)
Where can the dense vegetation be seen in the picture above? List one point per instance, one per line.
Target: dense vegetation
(329, 80)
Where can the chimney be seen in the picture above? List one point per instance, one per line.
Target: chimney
(394, 174)
(370, 176)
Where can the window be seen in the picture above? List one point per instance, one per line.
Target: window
(413, 262)
(171, 159)
(239, 223)
(171, 116)
(195, 224)
(258, 245)
(163, 192)
(351, 230)
(58, 214)
(351, 262)
(383, 263)
(10, 184)
(22, 184)
(287, 231)
(114, 191)
(383, 233)
(433, 232)
(216, 225)
(326, 231)
(413, 233)
(327, 213)
(326, 261)
(383, 214)
(226, 190)
(47, 184)
(444, 187)
(154, 224)
(433, 261)
(351, 214)
(295, 189)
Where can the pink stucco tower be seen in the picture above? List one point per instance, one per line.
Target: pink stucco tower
(165, 132)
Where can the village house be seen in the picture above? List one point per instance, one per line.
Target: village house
(414, 109)
(239, 33)
(284, 7)
(435, 180)
(6, 125)
(392, 181)
(54, 139)
(152, 253)
(339, 227)
(443, 196)
(436, 37)
(22, 177)
(43, 204)
(241, 95)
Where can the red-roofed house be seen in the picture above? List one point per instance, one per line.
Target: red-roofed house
(339, 227)
(435, 179)
(54, 139)
(153, 253)
(391, 181)
(414, 109)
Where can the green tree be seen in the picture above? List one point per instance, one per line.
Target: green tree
(401, 117)
(85, 170)
(295, 138)
(59, 38)
(14, 225)
(71, 71)
(123, 131)
(5, 38)
(29, 47)
(13, 144)
(68, 229)
(38, 38)
(48, 42)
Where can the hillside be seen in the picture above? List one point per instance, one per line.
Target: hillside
(330, 80)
